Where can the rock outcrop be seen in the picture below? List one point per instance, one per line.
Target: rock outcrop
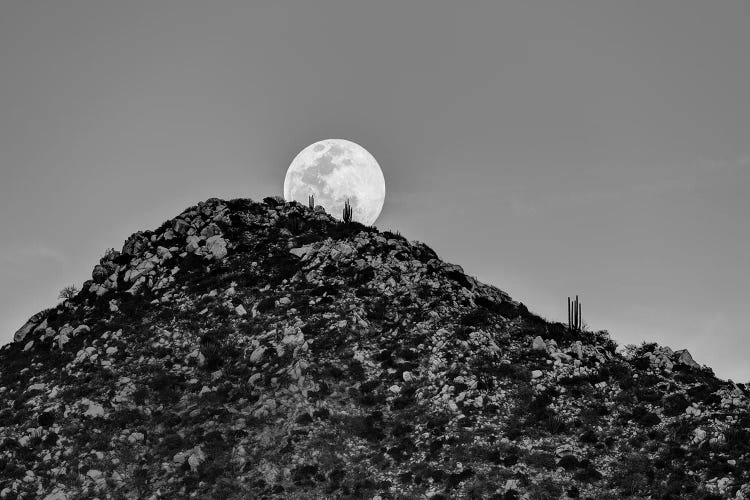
(265, 350)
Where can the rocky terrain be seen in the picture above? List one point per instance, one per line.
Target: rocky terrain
(266, 350)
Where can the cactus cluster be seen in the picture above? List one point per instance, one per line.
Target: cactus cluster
(311, 201)
(347, 212)
(574, 315)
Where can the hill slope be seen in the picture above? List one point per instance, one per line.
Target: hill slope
(265, 350)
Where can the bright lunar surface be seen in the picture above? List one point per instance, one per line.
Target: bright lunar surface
(334, 170)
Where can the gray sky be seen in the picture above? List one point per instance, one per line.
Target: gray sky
(551, 148)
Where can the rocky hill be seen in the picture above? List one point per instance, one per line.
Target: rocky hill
(266, 350)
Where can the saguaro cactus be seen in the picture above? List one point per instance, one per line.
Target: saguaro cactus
(347, 212)
(311, 201)
(574, 315)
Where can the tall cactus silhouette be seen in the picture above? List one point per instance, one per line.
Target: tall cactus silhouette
(347, 212)
(311, 201)
(574, 315)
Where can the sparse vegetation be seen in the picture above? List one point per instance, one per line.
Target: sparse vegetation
(347, 216)
(68, 292)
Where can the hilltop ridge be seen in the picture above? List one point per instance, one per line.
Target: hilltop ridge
(267, 350)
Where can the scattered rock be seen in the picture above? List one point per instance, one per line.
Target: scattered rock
(94, 409)
(217, 246)
(538, 344)
(318, 332)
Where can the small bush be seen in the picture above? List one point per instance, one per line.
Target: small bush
(546, 489)
(588, 475)
(477, 317)
(542, 460)
(68, 292)
(675, 404)
(266, 304)
(634, 475)
(644, 417)
(568, 462)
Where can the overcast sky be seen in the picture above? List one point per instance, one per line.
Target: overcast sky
(551, 148)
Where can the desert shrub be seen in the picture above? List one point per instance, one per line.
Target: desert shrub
(140, 395)
(647, 347)
(389, 235)
(674, 404)
(368, 427)
(166, 386)
(127, 418)
(503, 308)
(541, 460)
(477, 317)
(266, 304)
(10, 470)
(704, 393)
(737, 439)
(68, 292)
(644, 417)
(342, 230)
(588, 475)
(682, 429)
(568, 462)
(558, 332)
(546, 489)
(642, 363)
(356, 369)
(378, 310)
(555, 424)
(615, 370)
(647, 394)
(538, 410)
(46, 419)
(456, 478)
(634, 474)
(589, 437)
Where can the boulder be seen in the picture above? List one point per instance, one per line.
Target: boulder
(257, 354)
(30, 325)
(211, 230)
(192, 243)
(81, 329)
(196, 458)
(63, 336)
(217, 246)
(180, 226)
(94, 409)
(683, 357)
(163, 253)
(538, 344)
(301, 252)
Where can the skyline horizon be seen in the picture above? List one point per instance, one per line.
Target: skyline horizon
(584, 326)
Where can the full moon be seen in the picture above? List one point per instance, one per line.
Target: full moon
(334, 170)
